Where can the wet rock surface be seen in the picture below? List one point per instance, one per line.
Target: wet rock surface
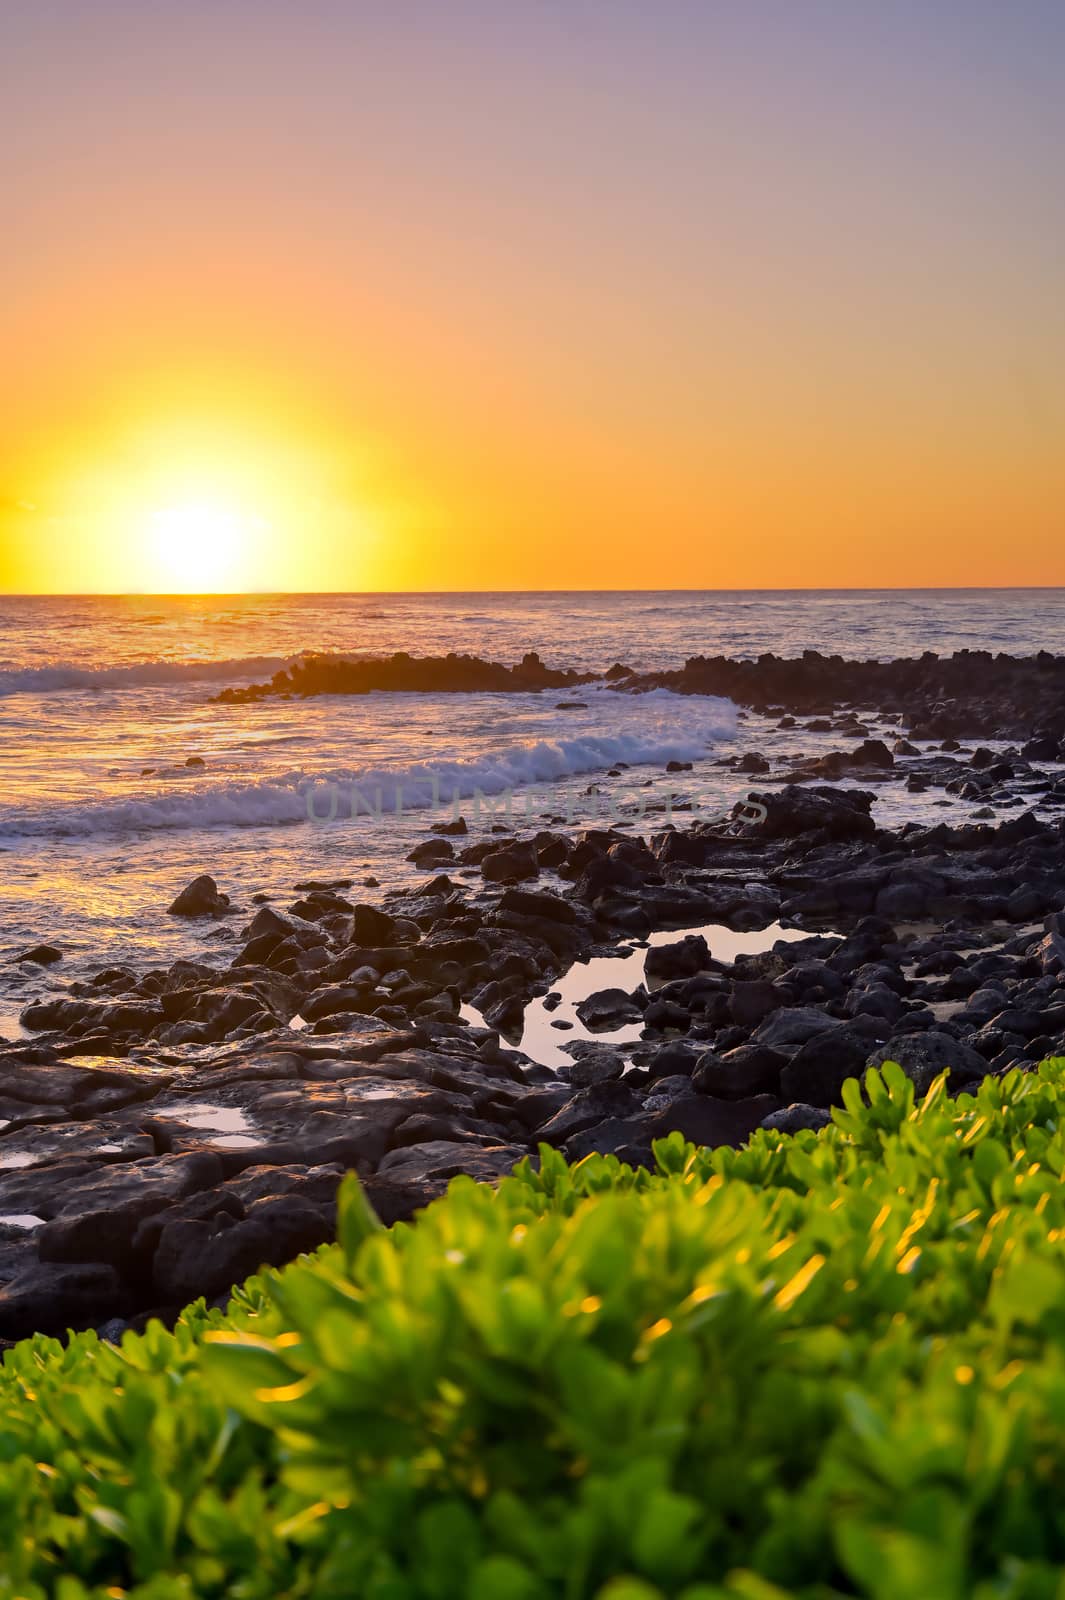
(165, 1133)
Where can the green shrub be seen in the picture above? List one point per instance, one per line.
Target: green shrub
(822, 1365)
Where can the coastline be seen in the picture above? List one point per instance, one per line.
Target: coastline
(168, 1133)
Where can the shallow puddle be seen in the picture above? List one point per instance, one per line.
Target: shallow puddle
(227, 1126)
(201, 1114)
(380, 1089)
(542, 1042)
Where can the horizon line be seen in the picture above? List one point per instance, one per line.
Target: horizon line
(319, 594)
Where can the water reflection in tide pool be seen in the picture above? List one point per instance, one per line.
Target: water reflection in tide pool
(625, 970)
(224, 1127)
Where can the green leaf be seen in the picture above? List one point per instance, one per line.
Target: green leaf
(357, 1220)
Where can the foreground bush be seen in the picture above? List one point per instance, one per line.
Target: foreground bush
(823, 1365)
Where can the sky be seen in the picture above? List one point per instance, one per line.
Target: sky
(550, 294)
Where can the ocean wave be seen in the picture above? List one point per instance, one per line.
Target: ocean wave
(299, 796)
(62, 675)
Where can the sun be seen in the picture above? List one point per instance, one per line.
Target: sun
(201, 546)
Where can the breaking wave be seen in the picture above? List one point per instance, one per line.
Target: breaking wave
(60, 675)
(297, 796)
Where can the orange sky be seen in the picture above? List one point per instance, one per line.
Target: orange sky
(507, 296)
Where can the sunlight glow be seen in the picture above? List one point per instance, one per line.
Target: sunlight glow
(201, 547)
(167, 495)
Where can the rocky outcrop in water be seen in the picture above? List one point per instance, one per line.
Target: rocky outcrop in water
(450, 674)
(971, 694)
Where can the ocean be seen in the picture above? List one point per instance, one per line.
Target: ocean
(104, 701)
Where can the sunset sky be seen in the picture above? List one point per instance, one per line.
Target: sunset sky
(550, 294)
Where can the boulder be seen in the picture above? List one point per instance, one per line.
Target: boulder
(831, 813)
(50, 1298)
(431, 853)
(510, 865)
(99, 1217)
(207, 1256)
(200, 898)
(627, 1138)
(667, 1013)
(789, 1028)
(751, 1002)
(795, 1118)
(538, 904)
(608, 1009)
(397, 1199)
(822, 1065)
(872, 753)
(682, 958)
(371, 925)
(678, 1057)
(748, 1070)
(923, 1056)
(595, 1064)
(268, 923)
(705, 1121)
(597, 1103)
(440, 1160)
(42, 955)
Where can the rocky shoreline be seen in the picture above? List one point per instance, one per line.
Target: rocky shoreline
(403, 673)
(162, 1135)
(972, 694)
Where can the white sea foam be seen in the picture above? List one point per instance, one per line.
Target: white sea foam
(684, 730)
(62, 675)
